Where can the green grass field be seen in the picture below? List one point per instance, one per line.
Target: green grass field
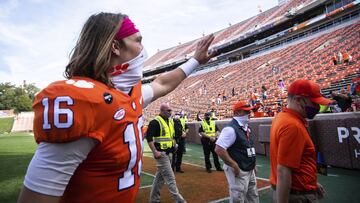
(16, 150)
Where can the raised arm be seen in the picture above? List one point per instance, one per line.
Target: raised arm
(167, 82)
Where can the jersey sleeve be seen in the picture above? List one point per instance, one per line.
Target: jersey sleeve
(64, 113)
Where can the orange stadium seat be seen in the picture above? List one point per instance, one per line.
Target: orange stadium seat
(301, 60)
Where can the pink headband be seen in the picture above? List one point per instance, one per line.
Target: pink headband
(127, 28)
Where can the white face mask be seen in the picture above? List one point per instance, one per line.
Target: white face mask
(244, 119)
(128, 79)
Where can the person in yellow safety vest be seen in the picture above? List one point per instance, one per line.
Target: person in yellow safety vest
(209, 132)
(160, 137)
(213, 114)
(183, 120)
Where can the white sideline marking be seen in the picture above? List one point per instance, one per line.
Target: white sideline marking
(228, 198)
(191, 164)
(332, 175)
(200, 166)
(196, 165)
(149, 174)
(143, 187)
(262, 178)
(264, 188)
(220, 200)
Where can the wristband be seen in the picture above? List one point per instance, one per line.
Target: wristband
(189, 66)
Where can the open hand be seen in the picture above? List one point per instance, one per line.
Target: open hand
(236, 170)
(202, 54)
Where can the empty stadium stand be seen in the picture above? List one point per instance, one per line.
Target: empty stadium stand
(305, 52)
(23, 122)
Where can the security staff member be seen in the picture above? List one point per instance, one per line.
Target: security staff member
(209, 132)
(183, 120)
(160, 137)
(236, 148)
(181, 129)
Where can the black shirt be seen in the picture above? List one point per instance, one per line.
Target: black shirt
(178, 128)
(343, 103)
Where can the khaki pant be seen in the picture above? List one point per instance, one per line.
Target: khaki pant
(164, 174)
(242, 189)
(297, 198)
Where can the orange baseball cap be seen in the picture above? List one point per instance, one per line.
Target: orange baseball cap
(241, 105)
(307, 88)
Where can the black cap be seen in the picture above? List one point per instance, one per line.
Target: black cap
(207, 114)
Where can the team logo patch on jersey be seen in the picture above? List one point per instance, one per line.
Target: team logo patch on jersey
(119, 114)
(80, 83)
(108, 98)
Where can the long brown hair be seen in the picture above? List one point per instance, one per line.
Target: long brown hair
(92, 52)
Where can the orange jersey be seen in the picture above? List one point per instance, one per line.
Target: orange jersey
(81, 107)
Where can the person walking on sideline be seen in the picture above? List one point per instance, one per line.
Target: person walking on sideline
(235, 147)
(161, 139)
(292, 152)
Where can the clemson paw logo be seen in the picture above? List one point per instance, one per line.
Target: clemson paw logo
(119, 69)
(80, 83)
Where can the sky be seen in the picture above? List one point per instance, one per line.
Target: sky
(37, 36)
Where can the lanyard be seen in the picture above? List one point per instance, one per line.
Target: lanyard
(248, 134)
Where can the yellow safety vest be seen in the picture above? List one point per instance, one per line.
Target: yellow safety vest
(167, 133)
(209, 129)
(183, 121)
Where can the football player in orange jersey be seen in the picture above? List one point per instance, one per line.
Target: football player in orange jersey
(89, 127)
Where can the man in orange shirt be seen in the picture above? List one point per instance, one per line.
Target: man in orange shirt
(292, 152)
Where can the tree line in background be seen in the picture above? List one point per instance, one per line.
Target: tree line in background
(19, 98)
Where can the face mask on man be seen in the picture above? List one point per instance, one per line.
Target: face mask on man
(244, 119)
(124, 80)
(310, 111)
